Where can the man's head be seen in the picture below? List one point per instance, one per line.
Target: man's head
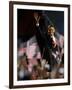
(51, 30)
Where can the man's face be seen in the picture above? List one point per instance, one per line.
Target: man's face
(51, 31)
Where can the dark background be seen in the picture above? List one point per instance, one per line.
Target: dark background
(25, 22)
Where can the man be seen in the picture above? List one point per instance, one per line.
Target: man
(47, 40)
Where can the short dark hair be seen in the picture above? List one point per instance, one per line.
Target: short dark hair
(49, 26)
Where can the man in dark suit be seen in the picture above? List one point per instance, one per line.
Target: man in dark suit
(45, 35)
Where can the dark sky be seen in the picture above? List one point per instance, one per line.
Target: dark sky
(57, 18)
(25, 22)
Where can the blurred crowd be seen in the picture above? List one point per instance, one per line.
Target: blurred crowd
(31, 65)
